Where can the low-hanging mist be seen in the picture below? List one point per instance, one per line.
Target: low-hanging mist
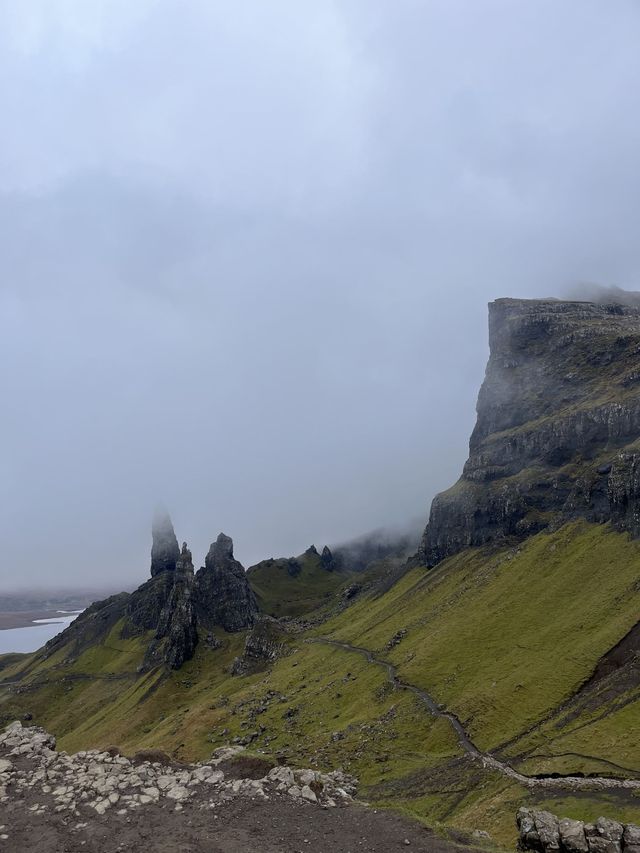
(246, 255)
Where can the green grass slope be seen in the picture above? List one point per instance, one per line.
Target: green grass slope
(293, 587)
(503, 639)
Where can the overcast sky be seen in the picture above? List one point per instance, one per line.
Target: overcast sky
(247, 248)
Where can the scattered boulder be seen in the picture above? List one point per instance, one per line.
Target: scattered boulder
(154, 756)
(397, 638)
(264, 644)
(94, 781)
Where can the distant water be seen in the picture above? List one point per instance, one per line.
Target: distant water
(31, 637)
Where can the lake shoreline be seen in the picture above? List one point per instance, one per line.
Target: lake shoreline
(26, 618)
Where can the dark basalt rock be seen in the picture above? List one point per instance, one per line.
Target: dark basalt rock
(91, 626)
(264, 644)
(173, 604)
(556, 432)
(326, 559)
(176, 634)
(223, 595)
(147, 603)
(164, 550)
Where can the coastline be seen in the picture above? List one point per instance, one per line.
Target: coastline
(26, 618)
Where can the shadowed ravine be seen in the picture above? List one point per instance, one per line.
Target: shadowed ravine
(568, 782)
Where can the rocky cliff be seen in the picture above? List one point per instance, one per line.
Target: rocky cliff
(223, 594)
(177, 632)
(164, 550)
(173, 604)
(558, 427)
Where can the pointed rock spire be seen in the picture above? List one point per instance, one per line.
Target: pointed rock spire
(326, 559)
(220, 550)
(224, 597)
(177, 634)
(164, 550)
(184, 563)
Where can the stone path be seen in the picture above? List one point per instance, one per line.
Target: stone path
(573, 783)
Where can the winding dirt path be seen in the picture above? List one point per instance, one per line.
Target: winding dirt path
(573, 783)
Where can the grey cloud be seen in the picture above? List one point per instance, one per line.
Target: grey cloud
(246, 253)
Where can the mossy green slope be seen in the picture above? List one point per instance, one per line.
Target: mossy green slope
(293, 587)
(502, 638)
(505, 639)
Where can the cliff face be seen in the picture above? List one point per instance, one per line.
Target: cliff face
(164, 550)
(223, 594)
(558, 428)
(177, 633)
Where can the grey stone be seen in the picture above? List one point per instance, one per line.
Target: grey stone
(631, 835)
(547, 828)
(224, 597)
(528, 417)
(572, 836)
(307, 794)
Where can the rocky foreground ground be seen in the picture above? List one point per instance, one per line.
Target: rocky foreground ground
(103, 802)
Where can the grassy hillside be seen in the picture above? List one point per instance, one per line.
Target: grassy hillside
(292, 587)
(503, 639)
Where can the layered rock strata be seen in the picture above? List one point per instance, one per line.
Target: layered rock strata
(558, 427)
(223, 595)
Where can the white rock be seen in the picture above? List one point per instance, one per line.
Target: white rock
(178, 792)
(282, 774)
(305, 777)
(202, 773)
(307, 794)
(215, 778)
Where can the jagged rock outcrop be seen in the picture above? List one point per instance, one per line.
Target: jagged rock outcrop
(147, 603)
(558, 428)
(176, 634)
(173, 604)
(326, 559)
(91, 627)
(542, 832)
(223, 596)
(264, 644)
(164, 549)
